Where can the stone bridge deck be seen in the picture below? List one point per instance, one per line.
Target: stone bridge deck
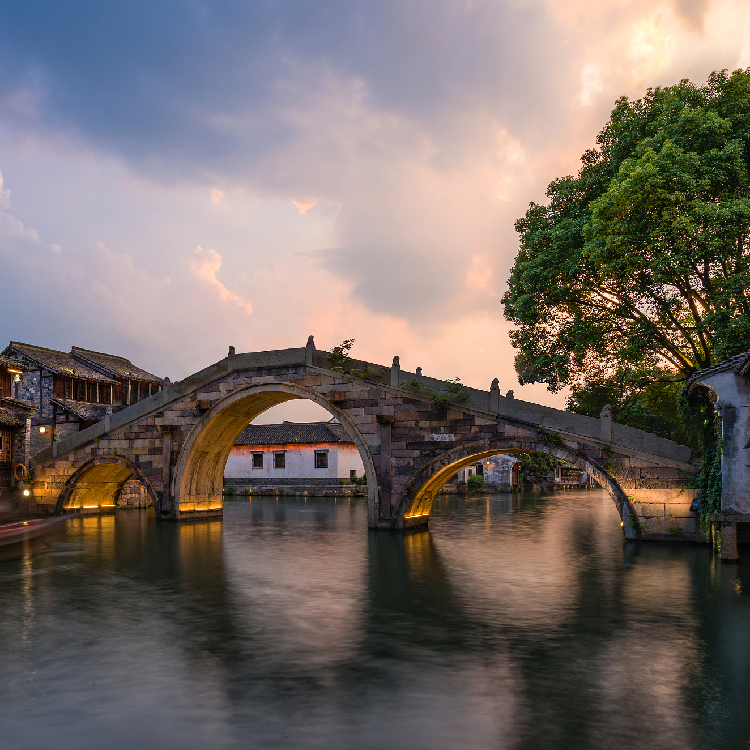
(176, 442)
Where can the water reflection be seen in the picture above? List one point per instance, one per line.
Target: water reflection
(512, 623)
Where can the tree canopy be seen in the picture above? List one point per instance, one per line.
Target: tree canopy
(636, 273)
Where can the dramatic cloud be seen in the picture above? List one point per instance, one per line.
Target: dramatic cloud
(206, 266)
(357, 167)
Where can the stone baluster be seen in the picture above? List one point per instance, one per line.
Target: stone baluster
(606, 424)
(495, 396)
(395, 370)
(310, 351)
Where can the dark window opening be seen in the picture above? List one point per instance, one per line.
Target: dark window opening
(743, 533)
(257, 460)
(58, 387)
(352, 473)
(321, 459)
(79, 390)
(5, 385)
(279, 460)
(5, 446)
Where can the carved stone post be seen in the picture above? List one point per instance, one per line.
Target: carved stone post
(606, 424)
(309, 351)
(395, 370)
(495, 396)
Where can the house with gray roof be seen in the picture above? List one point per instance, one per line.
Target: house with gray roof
(293, 453)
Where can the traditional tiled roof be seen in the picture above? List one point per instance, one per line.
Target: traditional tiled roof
(114, 366)
(82, 410)
(304, 433)
(15, 403)
(61, 363)
(739, 363)
(10, 420)
(13, 364)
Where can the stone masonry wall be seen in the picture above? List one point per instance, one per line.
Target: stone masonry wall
(40, 440)
(19, 449)
(133, 495)
(140, 443)
(28, 389)
(659, 494)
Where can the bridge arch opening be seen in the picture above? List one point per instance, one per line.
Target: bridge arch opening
(415, 505)
(97, 486)
(197, 485)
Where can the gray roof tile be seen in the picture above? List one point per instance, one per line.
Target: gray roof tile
(739, 363)
(13, 364)
(81, 409)
(61, 363)
(304, 433)
(113, 365)
(10, 420)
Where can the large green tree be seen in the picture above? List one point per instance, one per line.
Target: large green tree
(636, 273)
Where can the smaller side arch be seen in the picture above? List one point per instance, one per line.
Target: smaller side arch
(98, 482)
(413, 508)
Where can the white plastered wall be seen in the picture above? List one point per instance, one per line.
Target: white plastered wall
(299, 462)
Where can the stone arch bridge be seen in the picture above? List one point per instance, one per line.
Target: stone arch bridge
(413, 432)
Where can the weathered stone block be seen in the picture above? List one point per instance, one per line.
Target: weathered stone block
(384, 409)
(404, 453)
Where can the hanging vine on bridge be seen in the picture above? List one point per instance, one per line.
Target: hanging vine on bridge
(697, 408)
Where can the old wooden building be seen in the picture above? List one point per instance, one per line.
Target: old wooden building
(72, 390)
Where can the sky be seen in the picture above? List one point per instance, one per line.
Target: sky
(182, 177)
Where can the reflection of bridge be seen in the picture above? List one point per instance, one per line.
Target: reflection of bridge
(413, 433)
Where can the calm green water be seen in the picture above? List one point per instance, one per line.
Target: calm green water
(288, 625)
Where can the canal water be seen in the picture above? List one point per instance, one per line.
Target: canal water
(515, 622)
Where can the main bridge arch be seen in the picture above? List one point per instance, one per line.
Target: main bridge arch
(197, 487)
(415, 505)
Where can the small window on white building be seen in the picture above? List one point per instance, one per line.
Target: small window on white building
(352, 473)
(257, 460)
(279, 460)
(321, 459)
